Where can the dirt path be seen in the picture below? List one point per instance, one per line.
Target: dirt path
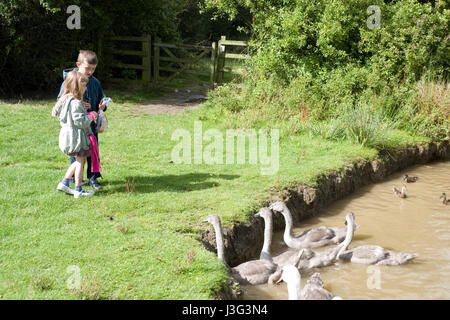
(177, 101)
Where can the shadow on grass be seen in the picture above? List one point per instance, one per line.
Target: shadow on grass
(179, 183)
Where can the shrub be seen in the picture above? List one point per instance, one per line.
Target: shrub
(366, 127)
(358, 124)
(428, 113)
(315, 60)
(297, 37)
(36, 45)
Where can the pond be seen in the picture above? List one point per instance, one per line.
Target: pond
(418, 224)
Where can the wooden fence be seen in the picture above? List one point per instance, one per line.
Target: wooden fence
(223, 55)
(145, 54)
(184, 64)
(165, 59)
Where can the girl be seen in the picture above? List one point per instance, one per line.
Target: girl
(75, 130)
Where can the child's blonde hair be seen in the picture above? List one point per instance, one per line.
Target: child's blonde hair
(87, 56)
(74, 84)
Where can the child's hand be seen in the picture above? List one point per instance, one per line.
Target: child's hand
(93, 115)
(87, 106)
(104, 102)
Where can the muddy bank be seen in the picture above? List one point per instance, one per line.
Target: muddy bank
(243, 241)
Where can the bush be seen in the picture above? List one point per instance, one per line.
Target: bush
(36, 45)
(428, 113)
(315, 60)
(358, 124)
(297, 37)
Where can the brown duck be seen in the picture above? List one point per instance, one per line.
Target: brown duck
(398, 193)
(407, 179)
(444, 199)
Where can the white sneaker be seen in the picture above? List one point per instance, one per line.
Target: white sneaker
(66, 189)
(83, 193)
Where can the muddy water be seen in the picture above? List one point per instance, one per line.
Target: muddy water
(418, 224)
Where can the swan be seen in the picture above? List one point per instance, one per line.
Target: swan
(250, 272)
(304, 258)
(311, 238)
(309, 259)
(407, 179)
(398, 193)
(369, 254)
(444, 199)
(313, 290)
(282, 259)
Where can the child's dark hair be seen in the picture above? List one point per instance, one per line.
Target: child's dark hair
(87, 56)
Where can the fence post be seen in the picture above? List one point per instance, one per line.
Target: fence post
(213, 63)
(146, 59)
(221, 59)
(156, 61)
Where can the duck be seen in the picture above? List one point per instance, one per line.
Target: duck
(370, 254)
(444, 199)
(407, 179)
(251, 272)
(311, 238)
(313, 290)
(398, 193)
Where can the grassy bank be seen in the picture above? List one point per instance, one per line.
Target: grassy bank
(138, 237)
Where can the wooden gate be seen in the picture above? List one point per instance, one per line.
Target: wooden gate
(223, 55)
(164, 52)
(175, 59)
(145, 53)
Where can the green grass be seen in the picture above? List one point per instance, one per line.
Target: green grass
(150, 250)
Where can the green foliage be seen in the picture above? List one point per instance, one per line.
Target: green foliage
(315, 60)
(365, 127)
(428, 112)
(296, 37)
(36, 45)
(197, 25)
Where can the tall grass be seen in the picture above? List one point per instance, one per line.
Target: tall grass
(359, 125)
(336, 108)
(432, 109)
(366, 127)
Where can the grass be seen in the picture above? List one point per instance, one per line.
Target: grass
(138, 237)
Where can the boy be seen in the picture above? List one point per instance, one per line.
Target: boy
(86, 64)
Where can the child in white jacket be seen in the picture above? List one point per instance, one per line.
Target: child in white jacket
(75, 130)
